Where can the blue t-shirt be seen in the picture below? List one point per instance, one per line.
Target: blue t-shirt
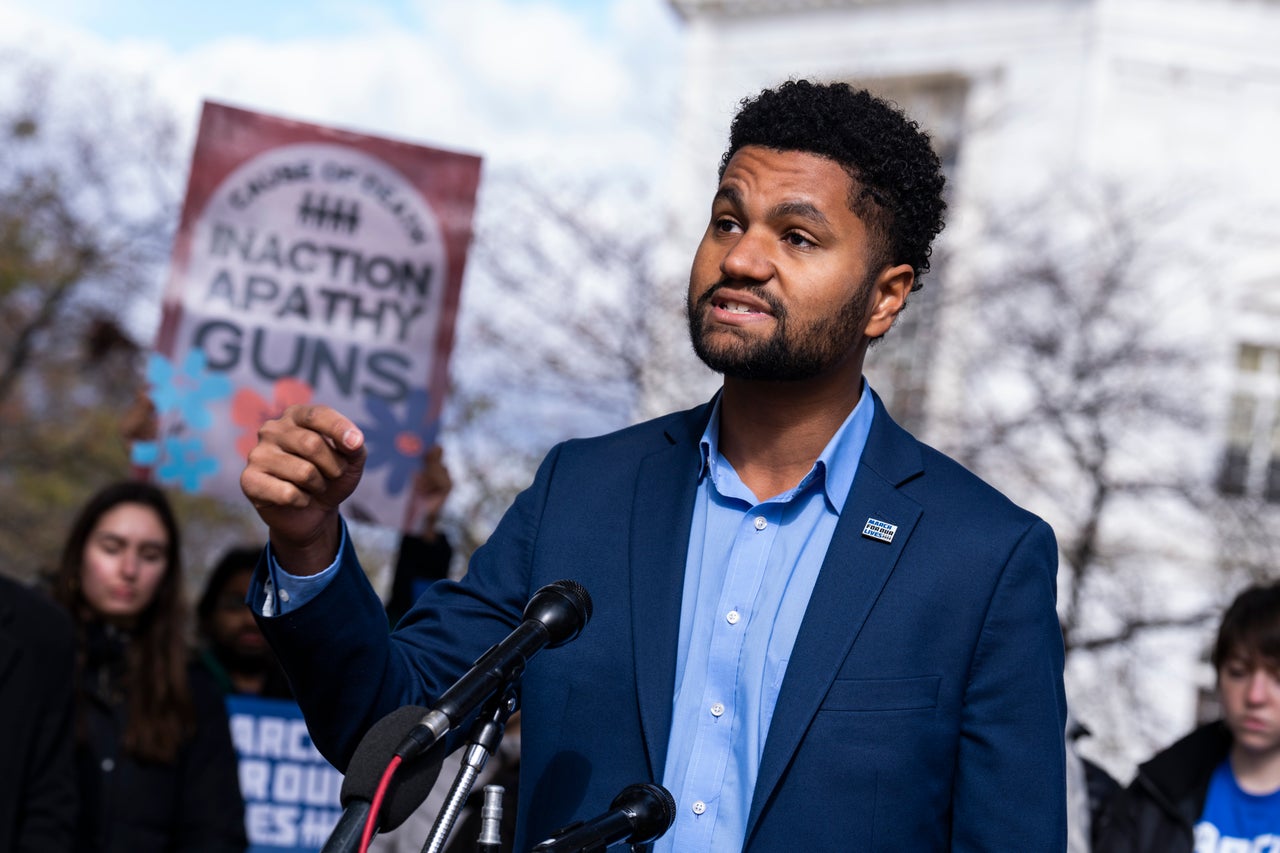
(1235, 821)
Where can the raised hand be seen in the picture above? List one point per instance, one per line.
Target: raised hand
(431, 487)
(306, 463)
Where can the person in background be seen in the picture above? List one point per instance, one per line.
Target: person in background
(37, 662)
(154, 758)
(1088, 787)
(232, 646)
(425, 553)
(1217, 790)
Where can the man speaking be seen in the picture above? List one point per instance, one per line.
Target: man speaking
(815, 631)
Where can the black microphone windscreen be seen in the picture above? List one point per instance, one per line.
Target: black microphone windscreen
(563, 607)
(652, 807)
(411, 783)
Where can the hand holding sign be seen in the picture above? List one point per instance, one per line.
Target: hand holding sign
(306, 463)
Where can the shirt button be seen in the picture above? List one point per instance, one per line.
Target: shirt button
(761, 524)
(732, 617)
(699, 807)
(717, 709)
(108, 765)
(284, 595)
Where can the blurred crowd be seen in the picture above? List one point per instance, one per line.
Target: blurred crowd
(115, 735)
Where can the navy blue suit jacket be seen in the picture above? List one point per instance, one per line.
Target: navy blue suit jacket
(922, 707)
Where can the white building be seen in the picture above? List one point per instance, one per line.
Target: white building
(1174, 101)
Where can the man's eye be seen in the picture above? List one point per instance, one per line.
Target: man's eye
(798, 240)
(726, 225)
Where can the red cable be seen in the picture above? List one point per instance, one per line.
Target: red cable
(366, 837)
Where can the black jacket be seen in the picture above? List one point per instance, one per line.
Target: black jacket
(190, 805)
(37, 665)
(1158, 811)
(419, 563)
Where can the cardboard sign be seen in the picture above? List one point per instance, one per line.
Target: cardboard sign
(310, 265)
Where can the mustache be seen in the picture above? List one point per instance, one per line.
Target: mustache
(756, 290)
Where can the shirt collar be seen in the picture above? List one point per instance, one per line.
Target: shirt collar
(836, 465)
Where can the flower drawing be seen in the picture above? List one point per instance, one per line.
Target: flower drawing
(186, 462)
(250, 410)
(395, 441)
(187, 390)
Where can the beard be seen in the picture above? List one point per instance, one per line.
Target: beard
(244, 661)
(793, 352)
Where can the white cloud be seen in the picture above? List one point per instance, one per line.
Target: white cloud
(584, 86)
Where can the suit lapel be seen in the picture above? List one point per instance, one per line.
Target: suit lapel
(853, 573)
(666, 484)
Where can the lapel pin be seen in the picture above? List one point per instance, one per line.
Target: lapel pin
(877, 529)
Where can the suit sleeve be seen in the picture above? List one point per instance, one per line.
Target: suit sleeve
(348, 670)
(1010, 791)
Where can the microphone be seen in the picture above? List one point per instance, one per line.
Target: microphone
(409, 788)
(640, 813)
(554, 615)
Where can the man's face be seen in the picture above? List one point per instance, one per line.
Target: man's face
(782, 286)
(1250, 692)
(232, 628)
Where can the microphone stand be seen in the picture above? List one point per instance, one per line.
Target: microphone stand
(490, 840)
(486, 735)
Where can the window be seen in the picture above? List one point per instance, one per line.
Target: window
(1251, 459)
(900, 367)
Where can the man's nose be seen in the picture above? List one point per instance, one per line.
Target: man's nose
(748, 259)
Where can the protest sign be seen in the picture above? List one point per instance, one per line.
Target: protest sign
(310, 265)
(291, 794)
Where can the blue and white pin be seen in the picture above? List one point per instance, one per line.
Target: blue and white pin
(881, 530)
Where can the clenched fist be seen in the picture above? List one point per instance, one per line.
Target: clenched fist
(306, 463)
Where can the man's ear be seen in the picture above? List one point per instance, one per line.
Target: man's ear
(888, 296)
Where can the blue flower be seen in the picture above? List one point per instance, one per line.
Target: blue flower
(398, 442)
(144, 453)
(186, 462)
(188, 390)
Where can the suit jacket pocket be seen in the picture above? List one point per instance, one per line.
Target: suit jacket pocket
(883, 694)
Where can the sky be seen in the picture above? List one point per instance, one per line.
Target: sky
(585, 84)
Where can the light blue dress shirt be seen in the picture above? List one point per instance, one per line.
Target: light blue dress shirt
(750, 570)
(284, 593)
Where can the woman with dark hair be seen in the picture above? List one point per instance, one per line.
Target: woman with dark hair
(156, 768)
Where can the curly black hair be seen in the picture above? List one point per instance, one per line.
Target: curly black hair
(897, 177)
